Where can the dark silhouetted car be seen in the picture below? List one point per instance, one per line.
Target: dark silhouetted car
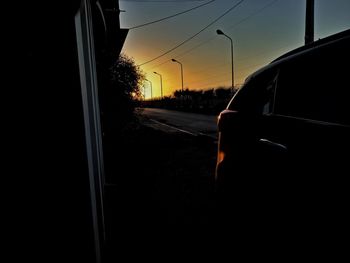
(284, 140)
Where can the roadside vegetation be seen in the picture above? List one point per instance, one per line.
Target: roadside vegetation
(120, 80)
(126, 80)
(210, 101)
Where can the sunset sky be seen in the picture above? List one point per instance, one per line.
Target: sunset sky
(261, 30)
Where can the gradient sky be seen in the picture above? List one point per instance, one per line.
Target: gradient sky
(258, 39)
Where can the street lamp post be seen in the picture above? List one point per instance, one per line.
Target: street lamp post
(182, 73)
(151, 87)
(161, 84)
(219, 32)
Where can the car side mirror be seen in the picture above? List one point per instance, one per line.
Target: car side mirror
(227, 118)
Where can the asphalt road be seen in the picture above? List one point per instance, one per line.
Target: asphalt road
(196, 124)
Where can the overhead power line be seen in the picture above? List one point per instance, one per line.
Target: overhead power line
(239, 22)
(171, 16)
(190, 38)
(255, 13)
(212, 38)
(195, 47)
(244, 59)
(159, 1)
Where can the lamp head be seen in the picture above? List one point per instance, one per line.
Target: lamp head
(173, 60)
(219, 32)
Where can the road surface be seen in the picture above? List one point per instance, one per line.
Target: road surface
(196, 124)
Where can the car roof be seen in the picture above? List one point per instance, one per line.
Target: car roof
(302, 49)
(322, 41)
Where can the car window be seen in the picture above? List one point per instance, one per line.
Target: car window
(257, 95)
(241, 97)
(268, 92)
(316, 86)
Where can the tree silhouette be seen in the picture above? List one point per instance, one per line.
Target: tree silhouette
(127, 77)
(177, 94)
(223, 93)
(120, 85)
(126, 80)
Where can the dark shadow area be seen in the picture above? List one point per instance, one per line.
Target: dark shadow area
(167, 182)
(46, 164)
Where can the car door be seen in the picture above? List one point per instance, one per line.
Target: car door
(249, 166)
(309, 125)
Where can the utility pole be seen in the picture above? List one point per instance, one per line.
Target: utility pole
(309, 21)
